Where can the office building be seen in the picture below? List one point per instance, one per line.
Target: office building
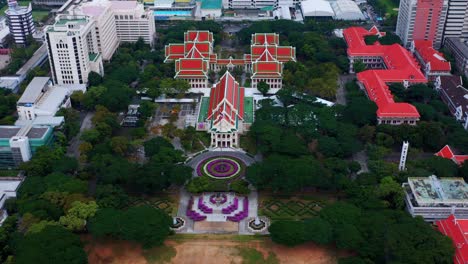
(435, 198)
(20, 22)
(42, 99)
(422, 20)
(73, 49)
(459, 49)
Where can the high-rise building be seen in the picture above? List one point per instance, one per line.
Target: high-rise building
(20, 22)
(422, 20)
(117, 21)
(456, 23)
(73, 49)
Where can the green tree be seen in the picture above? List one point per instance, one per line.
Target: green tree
(391, 192)
(142, 224)
(263, 87)
(60, 245)
(94, 79)
(289, 233)
(111, 196)
(119, 145)
(76, 217)
(359, 66)
(318, 231)
(154, 145)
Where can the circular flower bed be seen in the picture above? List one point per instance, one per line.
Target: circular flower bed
(221, 167)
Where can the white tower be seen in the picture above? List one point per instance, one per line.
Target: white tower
(404, 154)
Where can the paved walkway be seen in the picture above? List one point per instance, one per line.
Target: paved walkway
(361, 158)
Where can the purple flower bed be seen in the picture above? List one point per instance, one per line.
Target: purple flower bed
(220, 167)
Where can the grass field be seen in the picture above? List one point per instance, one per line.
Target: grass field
(9, 173)
(38, 15)
(389, 6)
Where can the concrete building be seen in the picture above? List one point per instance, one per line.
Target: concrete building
(422, 20)
(19, 143)
(435, 198)
(459, 49)
(73, 49)
(456, 22)
(8, 188)
(447, 153)
(210, 9)
(41, 98)
(132, 22)
(385, 64)
(20, 22)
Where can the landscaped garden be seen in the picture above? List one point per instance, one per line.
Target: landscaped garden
(219, 174)
(221, 168)
(167, 204)
(290, 209)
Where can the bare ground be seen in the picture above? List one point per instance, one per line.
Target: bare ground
(206, 249)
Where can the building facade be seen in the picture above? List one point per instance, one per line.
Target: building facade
(20, 22)
(226, 113)
(42, 99)
(422, 20)
(456, 22)
(455, 96)
(435, 198)
(385, 64)
(432, 62)
(459, 49)
(73, 49)
(195, 58)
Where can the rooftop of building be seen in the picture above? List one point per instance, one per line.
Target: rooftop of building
(453, 87)
(9, 185)
(447, 153)
(33, 132)
(211, 4)
(317, 8)
(429, 54)
(34, 90)
(432, 190)
(457, 230)
(400, 66)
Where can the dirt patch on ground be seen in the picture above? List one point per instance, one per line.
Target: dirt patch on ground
(227, 226)
(209, 249)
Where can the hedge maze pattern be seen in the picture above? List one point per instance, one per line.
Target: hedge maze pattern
(291, 208)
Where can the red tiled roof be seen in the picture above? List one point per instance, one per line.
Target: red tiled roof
(191, 67)
(174, 51)
(265, 38)
(226, 101)
(429, 54)
(457, 230)
(271, 69)
(446, 152)
(198, 36)
(401, 66)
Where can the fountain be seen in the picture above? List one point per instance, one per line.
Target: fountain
(257, 224)
(177, 223)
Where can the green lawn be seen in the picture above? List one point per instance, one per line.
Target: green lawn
(9, 173)
(202, 115)
(39, 15)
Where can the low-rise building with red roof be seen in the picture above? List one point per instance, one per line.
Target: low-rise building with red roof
(433, 62)
(386, 64)
(195, 57)
(457, 230)
(446, 152)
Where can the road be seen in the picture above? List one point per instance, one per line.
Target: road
(341, 92)
(73, 148)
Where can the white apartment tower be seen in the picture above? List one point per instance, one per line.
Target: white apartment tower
(73, 49)
(133, 21)
(456, 23)
(20, 22)
(117, 21)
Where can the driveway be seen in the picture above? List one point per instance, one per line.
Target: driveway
(73, 148)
